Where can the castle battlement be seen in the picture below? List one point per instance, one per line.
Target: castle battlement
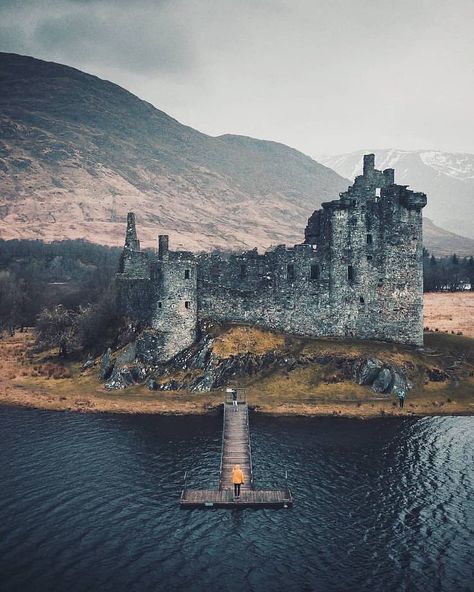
(358, 273)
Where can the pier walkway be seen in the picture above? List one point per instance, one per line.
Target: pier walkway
(235, 450)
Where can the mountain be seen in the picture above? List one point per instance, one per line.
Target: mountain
(446, 178)
(78, 152)
(441, 242)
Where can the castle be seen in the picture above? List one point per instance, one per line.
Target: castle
(357, 274)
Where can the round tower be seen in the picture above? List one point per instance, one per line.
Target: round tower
(175, 298)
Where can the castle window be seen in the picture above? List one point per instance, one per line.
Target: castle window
(243, 271)
(380, 283)
(350, 273)
(290, 272)
(369, 257)
(361, 300)
(187, 304)
(369, 239)
(160, 304)
(314, 271)
(377, 192)
(187, 274)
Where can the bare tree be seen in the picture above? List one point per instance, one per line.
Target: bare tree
(56, 328)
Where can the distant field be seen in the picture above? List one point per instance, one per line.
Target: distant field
(450, 311)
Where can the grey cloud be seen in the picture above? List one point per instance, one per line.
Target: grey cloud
(319, 75)
(150, 40)
(141, 46)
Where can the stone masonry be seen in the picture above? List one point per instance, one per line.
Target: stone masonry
(358, 274)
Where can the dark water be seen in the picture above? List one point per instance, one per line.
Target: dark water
(90, 503)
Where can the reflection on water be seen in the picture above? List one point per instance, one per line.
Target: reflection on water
(90, 502)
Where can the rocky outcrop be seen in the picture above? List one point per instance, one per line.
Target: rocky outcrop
(369, 371)
(198, 369)
(121, 374)
(106, 365)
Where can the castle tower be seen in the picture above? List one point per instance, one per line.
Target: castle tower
(131, 240)
(174, 311)
(133, 278)
(371, 243)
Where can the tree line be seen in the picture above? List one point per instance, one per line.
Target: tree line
(442, 274)
(65, 290)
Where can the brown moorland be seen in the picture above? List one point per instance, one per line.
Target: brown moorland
(450, 311)
(442, 375)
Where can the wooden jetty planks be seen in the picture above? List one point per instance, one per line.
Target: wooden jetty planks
(223, 498)
(235, 446)
(236, 449)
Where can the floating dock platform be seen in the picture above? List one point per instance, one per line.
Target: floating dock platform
(236, 450)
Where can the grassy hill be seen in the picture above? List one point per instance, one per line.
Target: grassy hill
(77, 153)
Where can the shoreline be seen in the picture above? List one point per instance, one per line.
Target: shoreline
(359, 410)
(287, 414)
(41, 380)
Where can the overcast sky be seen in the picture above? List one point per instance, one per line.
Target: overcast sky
(324, 76)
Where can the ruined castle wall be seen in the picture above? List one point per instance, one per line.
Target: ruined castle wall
(358, 274)
(400, 287)
(133, 285)
(174, 307)
(136, 265)
(284, 290)
(367, 250)
(134, 298)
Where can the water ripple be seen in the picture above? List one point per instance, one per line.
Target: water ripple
(89, 502)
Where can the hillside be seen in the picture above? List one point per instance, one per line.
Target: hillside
(441, 242)
(447, 179)
(282, 374)
(77, 153)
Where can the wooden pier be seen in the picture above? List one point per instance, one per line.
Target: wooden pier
(235, 450)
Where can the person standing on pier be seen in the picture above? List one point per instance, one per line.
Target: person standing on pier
(237, 479)
(234, 400)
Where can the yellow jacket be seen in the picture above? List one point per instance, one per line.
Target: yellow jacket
(237, 475)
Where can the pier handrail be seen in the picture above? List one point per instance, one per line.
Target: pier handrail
(222, 445)
(185, 485)
(241, 395)
(250, 449)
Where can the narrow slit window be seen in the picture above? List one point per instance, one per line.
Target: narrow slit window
(315, 271)
(370, 240)
(160, 304)
(187, 274)
(290, 272)
(350, 273)
(377, 192)
(187, 304)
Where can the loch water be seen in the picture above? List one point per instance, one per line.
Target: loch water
(90, 503)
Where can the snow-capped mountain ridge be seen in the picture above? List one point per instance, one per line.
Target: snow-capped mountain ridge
(458, 165)
(446, 177)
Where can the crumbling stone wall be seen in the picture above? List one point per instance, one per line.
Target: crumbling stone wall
(358, 273)
(174, 308)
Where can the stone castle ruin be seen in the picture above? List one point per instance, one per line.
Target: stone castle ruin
(358, 274)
